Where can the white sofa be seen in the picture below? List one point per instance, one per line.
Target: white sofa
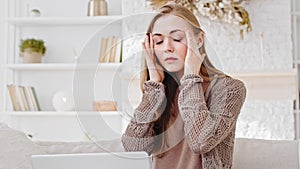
(16, 149)
(266, 154)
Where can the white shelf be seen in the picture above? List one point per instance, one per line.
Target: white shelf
(296, 13)
(296, 62)
(269, 85)
(267, 73)
(62, 66)
(297, 111)
(56, 21)
(65, 113)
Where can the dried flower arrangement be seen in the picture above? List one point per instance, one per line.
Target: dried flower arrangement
(230, 11)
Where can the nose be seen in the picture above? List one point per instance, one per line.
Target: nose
(168, 45)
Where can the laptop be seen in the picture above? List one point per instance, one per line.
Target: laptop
(114, 160)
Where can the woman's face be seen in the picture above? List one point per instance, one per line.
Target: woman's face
(170, 42)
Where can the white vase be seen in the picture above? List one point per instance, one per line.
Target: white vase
(63, 101)
(31, 57)
(97, 7)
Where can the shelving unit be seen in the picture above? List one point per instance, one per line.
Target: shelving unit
(59, 21)
(63, 35)
(61, 66)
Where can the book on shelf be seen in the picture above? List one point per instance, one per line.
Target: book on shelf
(13, 97)
(118, 51)
(23, 98)
(105, 105)
(103, 49)
(27, 91)
(19, 98)
(108, 49)
(34, 99)
(111, 49)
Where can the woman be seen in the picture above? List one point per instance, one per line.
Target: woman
(189, 109)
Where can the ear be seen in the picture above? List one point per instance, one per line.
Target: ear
(200, 39)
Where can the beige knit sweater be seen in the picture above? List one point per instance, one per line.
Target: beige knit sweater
(205, 130)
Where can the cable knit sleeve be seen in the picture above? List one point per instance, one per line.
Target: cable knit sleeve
(206, 125)
(139, 135)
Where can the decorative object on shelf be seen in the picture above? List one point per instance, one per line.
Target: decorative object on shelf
(230, 11)
(63, 101)
(105, 105)
(34, 13)
(97, 8)
(261, 36)
(32, 50)
(75, 56)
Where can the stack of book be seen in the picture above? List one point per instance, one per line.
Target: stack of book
(111, 50)
(105, 105)
(23, 98)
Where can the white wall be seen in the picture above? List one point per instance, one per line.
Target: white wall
(2, 35)
(268, 119)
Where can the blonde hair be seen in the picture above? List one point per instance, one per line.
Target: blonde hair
(207, 72)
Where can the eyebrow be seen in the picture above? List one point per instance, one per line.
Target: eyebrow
(171, 32)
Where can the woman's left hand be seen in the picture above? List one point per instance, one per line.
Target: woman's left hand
(193, 59)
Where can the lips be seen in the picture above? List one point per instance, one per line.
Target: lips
(170, 59)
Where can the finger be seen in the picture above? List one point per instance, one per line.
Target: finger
(187, 36)
(151, 41)
(145, 53)
(151, 45)
(147, 57)
(146, 42)
(192, 45)
(188, 39)
(146, 46)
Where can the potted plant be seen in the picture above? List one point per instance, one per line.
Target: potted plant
(32, 50)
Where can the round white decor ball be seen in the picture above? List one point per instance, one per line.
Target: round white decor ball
(34, 13)
(63, 101)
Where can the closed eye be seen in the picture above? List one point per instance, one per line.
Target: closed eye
(159, 42)
(177, 40)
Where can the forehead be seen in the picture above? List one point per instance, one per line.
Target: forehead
(167, 23)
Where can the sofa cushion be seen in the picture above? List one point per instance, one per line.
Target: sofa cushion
(82, 147)
(265, 154)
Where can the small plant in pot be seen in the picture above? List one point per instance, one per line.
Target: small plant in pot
(32, 50)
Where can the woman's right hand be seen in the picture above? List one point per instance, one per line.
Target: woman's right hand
(156, 72)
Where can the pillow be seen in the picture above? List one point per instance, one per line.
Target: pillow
(16, 149)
